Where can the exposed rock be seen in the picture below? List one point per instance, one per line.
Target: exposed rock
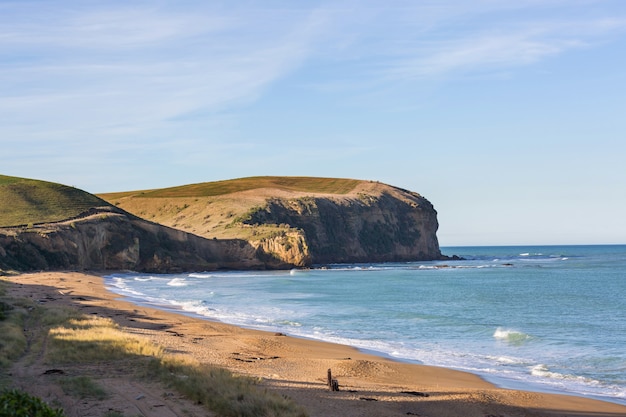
(280, 230)
(114, 240)
(382, 228)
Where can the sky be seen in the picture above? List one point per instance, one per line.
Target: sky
(508, 116)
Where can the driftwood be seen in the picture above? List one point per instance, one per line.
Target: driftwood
(416, 393)
(333, 384)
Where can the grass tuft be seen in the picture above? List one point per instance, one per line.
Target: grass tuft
(82, 387)
(221, 391)
(95, 339)
(13, 341)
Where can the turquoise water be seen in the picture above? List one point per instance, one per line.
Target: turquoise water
(545, 318)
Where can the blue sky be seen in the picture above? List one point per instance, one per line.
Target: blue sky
(507, 115)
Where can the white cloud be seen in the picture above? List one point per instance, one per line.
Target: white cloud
(481, 52)
(411, 41)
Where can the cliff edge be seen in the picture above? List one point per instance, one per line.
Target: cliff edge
(300, 221)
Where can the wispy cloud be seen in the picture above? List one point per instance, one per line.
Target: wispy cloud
(479, 52)
(408, 41)
(140, 66)
(133, 75)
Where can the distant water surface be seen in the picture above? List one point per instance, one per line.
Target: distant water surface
(546, 318)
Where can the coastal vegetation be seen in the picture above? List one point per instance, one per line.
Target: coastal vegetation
(79, 349)
(216, 188)
(16, 403)
(28, 202)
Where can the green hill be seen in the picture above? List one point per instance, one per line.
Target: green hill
(26, 201)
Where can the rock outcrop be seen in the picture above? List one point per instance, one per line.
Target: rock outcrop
(110, 239)
(394, 225)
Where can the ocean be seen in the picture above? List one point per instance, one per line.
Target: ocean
(539, 318)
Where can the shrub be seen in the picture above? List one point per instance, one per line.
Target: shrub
(15, 403)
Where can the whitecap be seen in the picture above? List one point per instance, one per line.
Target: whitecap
(543, 371)
(143, 279)
(196, 275)
(177, 282)
(506, 360)
(511, 336)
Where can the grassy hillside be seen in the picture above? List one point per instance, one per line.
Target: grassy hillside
(216, 188)
(211, 209)
(26, 201)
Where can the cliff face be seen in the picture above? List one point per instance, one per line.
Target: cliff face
(117, 241)
(371, 228)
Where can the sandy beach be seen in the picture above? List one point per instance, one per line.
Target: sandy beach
(294, 367)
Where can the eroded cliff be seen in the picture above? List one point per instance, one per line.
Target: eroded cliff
(109, 239)
(370, 228)
(266, 223)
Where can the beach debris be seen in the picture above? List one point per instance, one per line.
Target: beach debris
(416, 393)
(333, 384)
(238, 357)
(368, 399)
(54, 372)
(175, 333)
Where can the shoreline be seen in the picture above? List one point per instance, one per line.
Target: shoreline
(498, 380)
(370, 384)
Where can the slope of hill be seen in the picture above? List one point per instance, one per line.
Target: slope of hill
(48, 226)
(25, 201)
(300, 220)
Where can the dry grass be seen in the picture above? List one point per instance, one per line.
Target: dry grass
(221, 391)
(87, 346)
(96, 339)
(90, 340)
(216, 188)
(82, 387)
(211, 209)
(13, 340)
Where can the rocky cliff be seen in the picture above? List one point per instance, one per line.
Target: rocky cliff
(287, 222)
(300, 221)
(110, 239)
(398, 226)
